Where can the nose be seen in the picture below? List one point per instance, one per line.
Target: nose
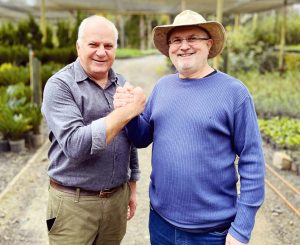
(100, 50)
(184, 44)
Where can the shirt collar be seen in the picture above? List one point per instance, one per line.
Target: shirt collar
(80, 74)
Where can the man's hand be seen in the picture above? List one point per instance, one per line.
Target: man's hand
(139, 101)
(132, 201)
(230, 240)
(129, 102)
(130, 98)
(123, 95)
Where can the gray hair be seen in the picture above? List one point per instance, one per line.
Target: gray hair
(98, 18)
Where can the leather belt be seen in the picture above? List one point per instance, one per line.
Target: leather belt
(106, 193)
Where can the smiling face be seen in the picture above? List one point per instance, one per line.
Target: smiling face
(191, 54)
(96, 49)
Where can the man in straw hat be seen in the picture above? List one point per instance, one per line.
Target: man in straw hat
(199, 120)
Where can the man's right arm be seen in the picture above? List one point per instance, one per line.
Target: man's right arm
(138, 129)
(65, 120)
(118, 118)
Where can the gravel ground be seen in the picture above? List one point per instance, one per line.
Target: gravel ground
(284, 222)
(11, 164)
(275, 223)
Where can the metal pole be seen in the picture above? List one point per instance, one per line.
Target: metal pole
(183, 5)
(43, 25)
(282, 37)
(220, 3)
(142, 32)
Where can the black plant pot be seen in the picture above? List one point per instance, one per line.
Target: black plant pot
(4, 146)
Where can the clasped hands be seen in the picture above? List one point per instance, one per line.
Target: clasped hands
(131, 98)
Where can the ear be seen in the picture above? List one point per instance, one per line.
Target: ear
(210, 43)
(77, 47)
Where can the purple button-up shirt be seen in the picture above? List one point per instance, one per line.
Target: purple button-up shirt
(74, 107)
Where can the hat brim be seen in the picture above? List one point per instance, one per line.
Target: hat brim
(215, 30)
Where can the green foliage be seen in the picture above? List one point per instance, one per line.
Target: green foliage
(13, 122)
(245, 53)
(58, 55)
(292, 61)
(19, 55)
(28, 33)
(133, 32)
(16, 54)
(267, 31)
(3, 105)
(293, 23)
(10, 75)
(48, 70)
(63, 34)
(19, 96)
(274, 95)
(131, 53)
(48, 43)
(7, 34)
(284, 132)
(13, 125)
(34, 114)
(252, 48)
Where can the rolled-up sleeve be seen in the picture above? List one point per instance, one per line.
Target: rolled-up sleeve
(134, 165)
(98, 135)
(65, 121)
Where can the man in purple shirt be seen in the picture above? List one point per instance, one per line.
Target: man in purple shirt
(93, 166)
(200, 120)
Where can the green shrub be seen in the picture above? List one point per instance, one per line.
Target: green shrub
(13, 125)
(57, 55)
(13, 108)
(292, 61)
(273, 94)
(28, 33)
(284, 132)
(10, 75)
(7, 34)
(17, 55)
(48, 70)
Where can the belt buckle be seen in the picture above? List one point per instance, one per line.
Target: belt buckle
(105, 193)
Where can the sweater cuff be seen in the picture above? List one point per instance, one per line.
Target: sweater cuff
(243, 223)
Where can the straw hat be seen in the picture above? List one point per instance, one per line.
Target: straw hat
(190, 18)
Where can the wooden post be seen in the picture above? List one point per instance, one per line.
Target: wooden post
(254, 21)
(142, 32)
(216, 60)
(183, 5)
(43, 25)
(236, 22)
(282, 37)
(35, 78)
(122, 31)
(149, 32)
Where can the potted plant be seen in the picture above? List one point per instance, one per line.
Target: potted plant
(18, 107)
(16, 126)
(36, 117)
(4, 145)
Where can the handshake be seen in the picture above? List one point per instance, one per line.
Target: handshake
(131, 99)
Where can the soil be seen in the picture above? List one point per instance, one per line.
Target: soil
(24, 181)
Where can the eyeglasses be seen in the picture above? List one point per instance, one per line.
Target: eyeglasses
(190, 40)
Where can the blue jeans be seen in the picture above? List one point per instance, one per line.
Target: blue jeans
(163, 233)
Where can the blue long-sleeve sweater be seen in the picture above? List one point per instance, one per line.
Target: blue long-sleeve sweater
(198, 127)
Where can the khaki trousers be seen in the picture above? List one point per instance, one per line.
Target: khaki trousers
(87, 220)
